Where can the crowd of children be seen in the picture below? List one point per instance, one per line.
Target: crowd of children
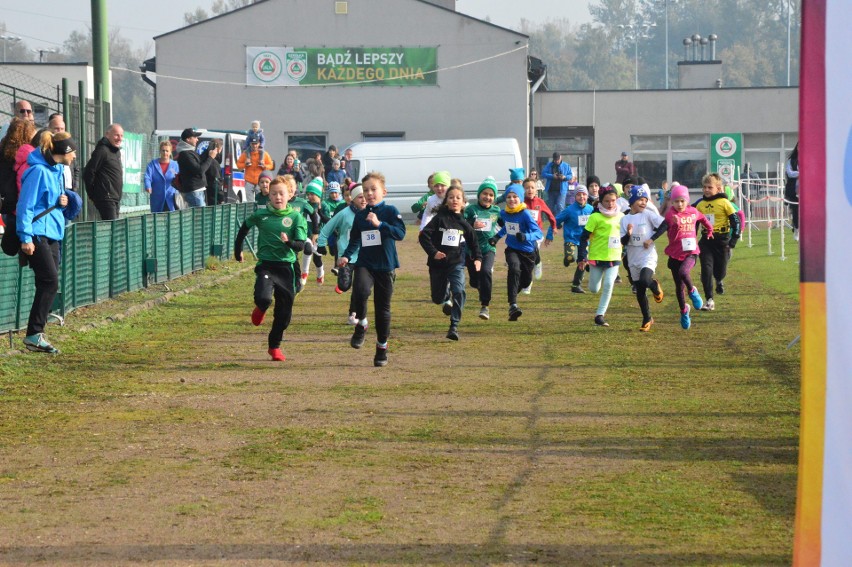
(603, 228)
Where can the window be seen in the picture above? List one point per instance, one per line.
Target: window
(382, 136)
(765, 154)
(681, 158)
(306, 144)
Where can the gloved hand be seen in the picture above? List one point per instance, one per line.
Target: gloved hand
(493, 241)
(322, 250)
(309, 248)
(521, 237)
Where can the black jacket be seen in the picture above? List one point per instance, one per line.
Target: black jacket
(432, 235)
(103, 175)
(193, 168)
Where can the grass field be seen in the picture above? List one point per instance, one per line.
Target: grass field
(167, 437)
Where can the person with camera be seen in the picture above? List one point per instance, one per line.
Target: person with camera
(557, 175)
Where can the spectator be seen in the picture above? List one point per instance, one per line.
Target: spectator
(335, 174)
(791, 188)
(213, 175)
(557, 174)
(539, 184)
(41, 227)
(159, 175)
(23, 109)
(289, 168)
(254, 162)
(348, 166)
(624, 169)
(329, 156)
(14, 150)
(192, 168)
(104, 175)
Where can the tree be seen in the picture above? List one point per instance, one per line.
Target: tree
(217, 8)
(15, 50)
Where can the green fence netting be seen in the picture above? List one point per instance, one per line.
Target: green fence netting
(106, 258)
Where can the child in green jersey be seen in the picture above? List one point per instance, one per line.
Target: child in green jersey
(282, 231)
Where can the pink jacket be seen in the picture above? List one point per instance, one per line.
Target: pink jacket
(684, 226)
(21, 164)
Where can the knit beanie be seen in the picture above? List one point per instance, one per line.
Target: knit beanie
(593, 179)
(266, 174)
(680, 192)
(333, 187)
(581, 189)
(441, 178)
(315, 187)
(516, 174)
(487, 183)
(638, 192)
(517, 190)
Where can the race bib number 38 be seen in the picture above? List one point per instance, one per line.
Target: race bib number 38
(371, 238)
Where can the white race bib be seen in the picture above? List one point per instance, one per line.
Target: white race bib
(582, 220)
(534, 214)
(688, 244)
(711, 218)
(614, 242)
(638, 237)
(450, 237)
(371, 238)
(513, 228)
(486, 224)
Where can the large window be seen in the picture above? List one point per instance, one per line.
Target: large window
(765, 154)
(306, 144)
(666, 158)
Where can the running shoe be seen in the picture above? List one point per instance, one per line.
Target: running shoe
(303, 280)
(514, 313)
(453, 332)
(646, 326)
(357, 340)
(483, 314)
(537, 271)
(276, 354)
(381, 357)
(353, 320)
(447, 307)
(685, 321)
(720, 287)
(38, 343)
(577, 289)
(527, 290)
(695, 297)
(257, 316)
(709, 305)
(658, 297)
(600, 321)
(337, 290)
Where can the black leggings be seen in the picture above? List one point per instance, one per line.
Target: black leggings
(45, 266)
(275, 280)
(645, 282)
(521, 266)
(714, 262)
(364, 280)
(483, 280)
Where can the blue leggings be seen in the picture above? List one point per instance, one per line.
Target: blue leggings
(602, 275)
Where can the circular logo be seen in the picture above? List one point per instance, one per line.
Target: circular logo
(287, 222)
(267, 66)
(726, 146)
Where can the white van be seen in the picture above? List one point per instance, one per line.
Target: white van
(406, 165)
(233, 180)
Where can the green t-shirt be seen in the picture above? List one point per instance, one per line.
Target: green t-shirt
(605, 242)
(271, 223)
(491, 215)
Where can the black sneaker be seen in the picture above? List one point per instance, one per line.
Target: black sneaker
(720, 288)
(514, 313)
(600, 321)
(617, 279)
(577, 289)
(453, 333)
(358, 336)
(335, 271)
(381, 358)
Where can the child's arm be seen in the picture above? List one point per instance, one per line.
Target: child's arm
(421, 203)
(472, 244)
(708, 227)
(562, 217)
(238, 241)
(425, 240)
(354, 243)
(552, 220)
(391, 223)
(583, 249)
(734, 219)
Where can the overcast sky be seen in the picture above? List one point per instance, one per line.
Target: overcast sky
(46, 23)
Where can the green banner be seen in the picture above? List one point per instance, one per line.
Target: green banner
(726, 154)
(131, 161)
(342, 66)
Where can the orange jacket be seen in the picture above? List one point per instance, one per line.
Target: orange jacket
(258, 161)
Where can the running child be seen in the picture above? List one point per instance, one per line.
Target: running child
(521, 233)
(726, 232)
(538, 209)
(572, 220)
(682, 221)
(600, 247)
(420, 204)
(444, 240)
(441, 181)
(304, 208)
(375, 230)
(484, 217)
(282, 232)
(639, 229)
(339, 225)
(314, 196)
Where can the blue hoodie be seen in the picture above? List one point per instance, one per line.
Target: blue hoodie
(41, 187)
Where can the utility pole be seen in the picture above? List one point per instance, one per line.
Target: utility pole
(100, 47)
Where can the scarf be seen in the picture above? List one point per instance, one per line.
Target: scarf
(279, 212)
(518, 209)
(608, 212)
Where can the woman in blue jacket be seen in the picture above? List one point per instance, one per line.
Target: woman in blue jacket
(41, 227)
(158, 180)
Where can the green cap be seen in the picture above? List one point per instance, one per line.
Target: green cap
(441, 178)
(487, 183)
(315, 187)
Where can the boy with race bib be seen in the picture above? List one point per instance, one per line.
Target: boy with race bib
(572, 220)
(484, 217)
(715, 254)
(375, 230)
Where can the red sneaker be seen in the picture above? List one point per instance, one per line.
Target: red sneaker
(321, 280)
(337, 290)
(276, 354)
(257, 317)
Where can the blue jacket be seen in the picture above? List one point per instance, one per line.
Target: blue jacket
(564, 169)
(162, 192)
(338, 176)
(41, 187)
(381, 258)
(526, 225)
(569, 219)
(340, 224)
